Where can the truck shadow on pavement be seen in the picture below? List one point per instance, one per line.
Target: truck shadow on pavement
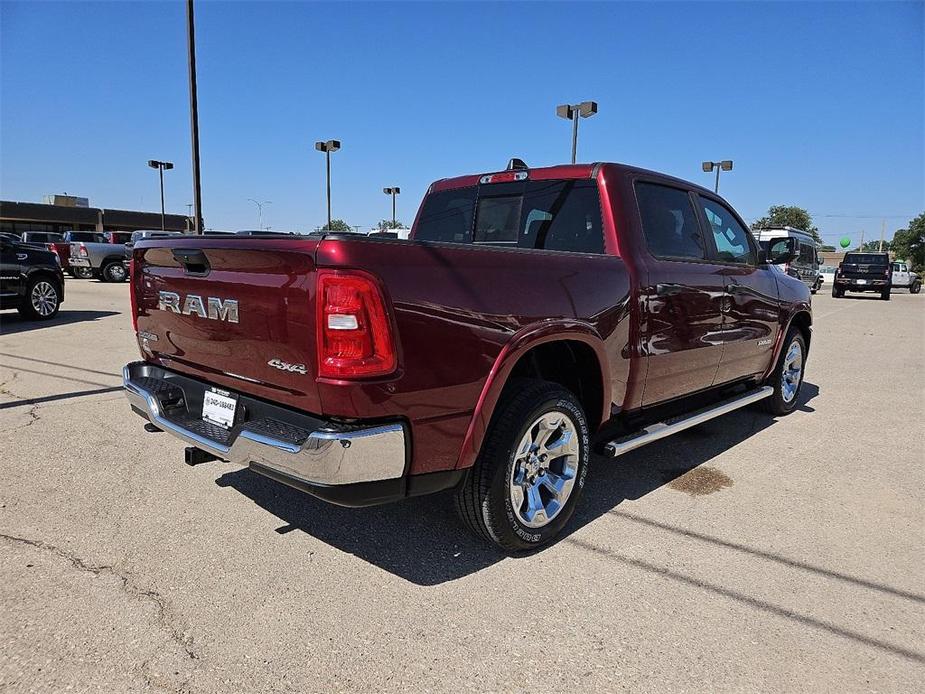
(422, 540)
(11, 322)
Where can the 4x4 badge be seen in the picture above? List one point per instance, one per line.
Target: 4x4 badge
(286, 366)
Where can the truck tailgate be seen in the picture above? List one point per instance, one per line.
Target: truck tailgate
(237, 312)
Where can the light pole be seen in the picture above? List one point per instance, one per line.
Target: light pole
(393, 192)
(327, 148)
(193, 113)
(160, 166)
(260, 210)
(724, 165)
(571, 112)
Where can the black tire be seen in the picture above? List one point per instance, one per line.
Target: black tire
(113, 271)
(83, 273)
(483, 499)
(885, 295)
(837, 293)
(42, 299)
(915, 288)
(777, 404)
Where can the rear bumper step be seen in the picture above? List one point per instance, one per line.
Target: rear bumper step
(661, 430)
(301, 447)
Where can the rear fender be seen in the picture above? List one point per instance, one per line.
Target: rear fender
(520, 343)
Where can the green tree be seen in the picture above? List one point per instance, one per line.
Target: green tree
(909, 243)
(338, 225)
(788, 216)
(386, 224)
(874, 246)
(827, 249)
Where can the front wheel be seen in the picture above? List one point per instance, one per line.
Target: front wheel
(42, 299)
(787, 377)
(529, 475)
(113, 271)
(915, 288)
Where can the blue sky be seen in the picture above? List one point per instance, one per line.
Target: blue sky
(819, 104)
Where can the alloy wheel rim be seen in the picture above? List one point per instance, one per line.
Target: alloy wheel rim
(44, 298)
(544, 469)
(116, 272)
(792, 372)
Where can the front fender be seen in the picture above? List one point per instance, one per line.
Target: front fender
(801, 307)
(520, 343)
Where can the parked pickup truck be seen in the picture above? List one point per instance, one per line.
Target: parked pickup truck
(533, 315)
(99, 258)
(863, 272)
(903, 278)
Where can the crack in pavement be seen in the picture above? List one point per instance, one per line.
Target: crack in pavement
(162, 610)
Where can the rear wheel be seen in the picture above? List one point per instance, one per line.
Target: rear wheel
(787, 377)
(83, 273)
(837, 293)
(529, 475)
(42, 299)
(113, 271)
(885, 295)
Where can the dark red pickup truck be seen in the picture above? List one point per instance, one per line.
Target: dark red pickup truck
(533, 316)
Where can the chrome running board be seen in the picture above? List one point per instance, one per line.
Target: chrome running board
(660, 430)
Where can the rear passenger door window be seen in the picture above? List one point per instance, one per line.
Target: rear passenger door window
(669, 222)
(733, 242)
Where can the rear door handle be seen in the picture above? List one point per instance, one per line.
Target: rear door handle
(668, 289)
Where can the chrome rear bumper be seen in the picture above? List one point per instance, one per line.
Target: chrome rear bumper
(305, 448)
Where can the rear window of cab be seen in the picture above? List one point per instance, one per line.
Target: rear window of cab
(563, 215)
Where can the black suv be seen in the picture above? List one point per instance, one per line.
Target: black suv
(863, 272)
(30, 280)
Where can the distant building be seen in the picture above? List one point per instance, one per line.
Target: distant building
(65, 200)
(60, 213)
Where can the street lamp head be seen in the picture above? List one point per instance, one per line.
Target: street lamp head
(167, 164)
(153, 163)
(586, 109)
(726, 164)
(329, 146)
(708, 166)
(564, 111)
(319, 146)
(393, 190)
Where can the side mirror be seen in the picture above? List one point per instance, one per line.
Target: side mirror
(783, 250)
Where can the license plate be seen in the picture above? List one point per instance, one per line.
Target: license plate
(218, 409)
(862, 281)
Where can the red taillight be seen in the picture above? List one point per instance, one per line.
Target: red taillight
(82, 250)
(354, 332)
(131, 291)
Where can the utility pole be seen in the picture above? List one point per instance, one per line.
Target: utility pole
(861, 247)
(194, 114)
(882, 232)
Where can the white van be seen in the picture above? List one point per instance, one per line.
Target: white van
(806, 266)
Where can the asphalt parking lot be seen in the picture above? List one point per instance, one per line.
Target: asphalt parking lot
(747, 554)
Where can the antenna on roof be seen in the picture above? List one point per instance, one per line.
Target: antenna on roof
(516, 163)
